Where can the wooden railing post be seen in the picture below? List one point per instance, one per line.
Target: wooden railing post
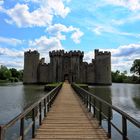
(87, 100)
(1, 133)
(94, 107)
(45, 107)
(40, 114)
(124, 128)
(49, 101)
(33, 126)
(89, 103)
(48, 108)
(109, 122)
(100, 113)
(22, 128)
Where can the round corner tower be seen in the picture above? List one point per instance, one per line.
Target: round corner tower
(31, 61)
(103, 67)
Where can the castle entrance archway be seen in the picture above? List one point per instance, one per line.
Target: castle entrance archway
(66, 77)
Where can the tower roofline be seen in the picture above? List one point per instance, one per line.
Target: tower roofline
(101, 53)
(66, 53)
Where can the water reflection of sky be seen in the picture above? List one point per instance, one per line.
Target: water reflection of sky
(124, 96)
(14, 98)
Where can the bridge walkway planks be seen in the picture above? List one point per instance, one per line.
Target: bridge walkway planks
(69, 120)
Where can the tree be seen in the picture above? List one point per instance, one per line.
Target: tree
(4, 73)
(14, 72)
(136, 67)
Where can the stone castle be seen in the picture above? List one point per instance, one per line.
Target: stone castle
(67, 66)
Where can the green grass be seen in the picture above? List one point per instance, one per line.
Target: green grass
(82, 85)
(4, 81)
(51, 86)
(54, 84)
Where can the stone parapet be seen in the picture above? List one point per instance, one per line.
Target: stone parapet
(63, 53)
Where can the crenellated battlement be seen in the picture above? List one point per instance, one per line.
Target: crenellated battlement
(101, 53)
(31, 52)
(63, 53)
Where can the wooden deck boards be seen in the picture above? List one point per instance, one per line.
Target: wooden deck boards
(69, 120)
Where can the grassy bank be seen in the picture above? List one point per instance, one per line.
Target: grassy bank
(51, 86)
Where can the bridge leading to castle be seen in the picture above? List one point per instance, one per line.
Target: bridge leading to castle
(68, 119)
(61, 114)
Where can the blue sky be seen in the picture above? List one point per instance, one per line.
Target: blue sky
(45, 25)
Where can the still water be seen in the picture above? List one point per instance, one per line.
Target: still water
(125, 97)
(14, 98)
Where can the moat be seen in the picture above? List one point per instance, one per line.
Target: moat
(16, 97)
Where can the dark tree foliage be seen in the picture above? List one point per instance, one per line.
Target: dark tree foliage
(12, 74)
(4, 73)
(118, 77)
(136, 67)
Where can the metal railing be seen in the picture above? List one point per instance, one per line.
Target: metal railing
(43, 106)
(91, 103)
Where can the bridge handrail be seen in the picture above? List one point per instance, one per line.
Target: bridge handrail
(86, 98)
(47, 101)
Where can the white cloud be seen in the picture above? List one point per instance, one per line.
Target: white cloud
(122, 57)
(13, 64)
(22, 16)
(57, 6)
(58, 29)
(132, 18)
(88, 56)
(10, 52)
(99, 29)
(132, 5)
(44, 45)
(77, 35)
(10, 41)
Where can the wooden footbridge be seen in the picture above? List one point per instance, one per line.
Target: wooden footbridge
(63, 116)
(68, 119)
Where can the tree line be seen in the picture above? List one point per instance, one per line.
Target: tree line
(10, 75)
(122, 77)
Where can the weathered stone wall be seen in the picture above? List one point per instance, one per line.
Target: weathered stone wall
(91, 73)
(66, 64)
(31, 61)
(83, 72)
(43, 73)
(103, 68)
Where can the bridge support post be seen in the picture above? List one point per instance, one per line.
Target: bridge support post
(89, 103)
(109, 122)
(45, 107)
(100, 113)
(40, 114)
(124, 128)
(33, 126)
(22, 128)
(1, 133)
(94, 107)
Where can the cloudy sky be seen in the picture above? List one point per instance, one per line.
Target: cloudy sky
(44, 25)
